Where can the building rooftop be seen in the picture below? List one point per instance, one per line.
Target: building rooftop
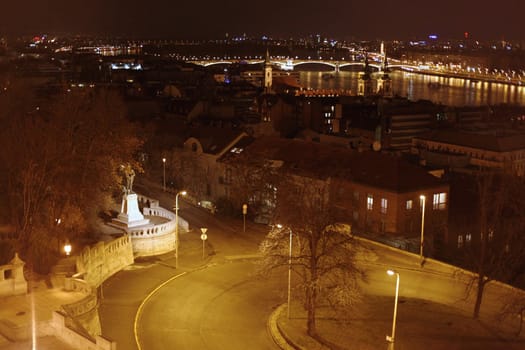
(495, 140)
(323, 161)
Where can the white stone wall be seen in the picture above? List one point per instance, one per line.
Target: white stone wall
(156, 239)
(97, 263)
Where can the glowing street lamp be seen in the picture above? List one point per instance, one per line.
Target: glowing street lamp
(177, 227)
(391, 339)
(164, 174)
(67, 248)
(244, 212)
(423, 202)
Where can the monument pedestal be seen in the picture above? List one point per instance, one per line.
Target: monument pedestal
(130, 215)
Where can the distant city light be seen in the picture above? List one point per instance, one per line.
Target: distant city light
(433, 36)
(126, 66)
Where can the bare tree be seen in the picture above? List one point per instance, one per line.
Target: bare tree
(515, 306)
(190, 172)
(253, 180)
(324, 253)
(499, 221)
(61, 158)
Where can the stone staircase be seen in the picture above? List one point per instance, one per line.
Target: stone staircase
(65, 267)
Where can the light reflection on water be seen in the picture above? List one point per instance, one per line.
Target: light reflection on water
(448, 91)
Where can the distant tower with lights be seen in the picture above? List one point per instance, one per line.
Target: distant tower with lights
(384, 83)
(267, 80)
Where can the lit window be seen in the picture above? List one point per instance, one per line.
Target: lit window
(468, 238)
(409, 204)
(460, 241)
(384, 205)
(369, 202)
(440, 201)
(491, 234)
(236, 150)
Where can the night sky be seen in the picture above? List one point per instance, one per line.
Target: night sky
(344, 19)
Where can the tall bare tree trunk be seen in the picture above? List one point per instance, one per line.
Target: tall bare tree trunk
(311, 297)
(479, 294)
(311, 327)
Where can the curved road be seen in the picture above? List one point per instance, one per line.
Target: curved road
(221, 307)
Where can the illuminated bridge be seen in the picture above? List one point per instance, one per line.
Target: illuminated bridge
(290, 64)
(376, 62)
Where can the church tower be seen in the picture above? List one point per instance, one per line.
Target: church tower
(364, 83)
(267, 81)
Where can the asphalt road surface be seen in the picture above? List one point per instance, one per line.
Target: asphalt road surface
(220, 307)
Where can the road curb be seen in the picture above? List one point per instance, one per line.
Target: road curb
(279, 337)
(243, 257)
(138, 314)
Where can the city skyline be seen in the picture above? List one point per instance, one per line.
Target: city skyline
(404, 19)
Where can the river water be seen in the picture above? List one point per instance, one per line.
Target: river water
(448, 91)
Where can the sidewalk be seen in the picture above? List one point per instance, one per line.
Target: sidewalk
(23, 313)
(420, 325)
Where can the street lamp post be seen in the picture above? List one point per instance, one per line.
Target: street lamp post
(423, 202)
(177, 227)
(391, 339)
(164, 174)
(289, 273)
(244, 212)
(289, 270)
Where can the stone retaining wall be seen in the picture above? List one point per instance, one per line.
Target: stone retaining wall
(155, 239)
(75, 339)
(97, 263)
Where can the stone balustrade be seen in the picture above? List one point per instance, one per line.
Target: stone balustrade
(147, 201)
(159, 236)
(97, 263)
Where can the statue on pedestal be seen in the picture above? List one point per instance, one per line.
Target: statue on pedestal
(130, 214)
(130, 176)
